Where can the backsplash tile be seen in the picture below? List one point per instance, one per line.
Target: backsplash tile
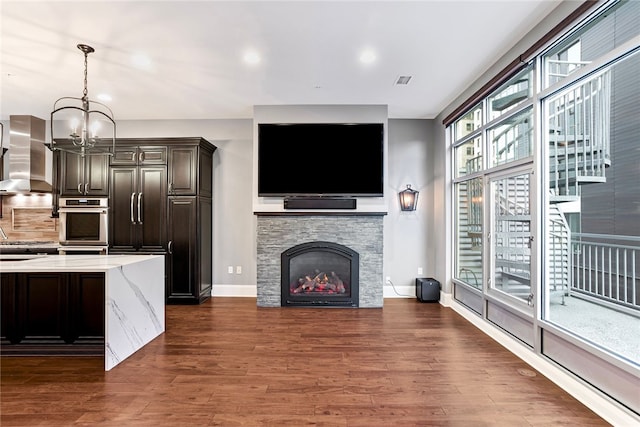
(28, 218)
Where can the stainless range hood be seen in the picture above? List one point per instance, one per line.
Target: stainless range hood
(26, 157)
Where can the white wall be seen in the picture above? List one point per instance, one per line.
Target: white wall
(408, 240)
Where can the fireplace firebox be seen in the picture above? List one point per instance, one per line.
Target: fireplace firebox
(320, 274)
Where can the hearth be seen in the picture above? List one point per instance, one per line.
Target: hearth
(320, 274)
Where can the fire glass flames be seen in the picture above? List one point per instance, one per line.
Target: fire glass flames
(319, 283)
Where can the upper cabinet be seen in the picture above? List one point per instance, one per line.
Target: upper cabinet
(138, 155)
(190, 169)
(84, 175)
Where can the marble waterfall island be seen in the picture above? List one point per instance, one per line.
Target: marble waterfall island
(134, 300)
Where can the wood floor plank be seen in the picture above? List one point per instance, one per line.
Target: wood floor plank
(230, 363)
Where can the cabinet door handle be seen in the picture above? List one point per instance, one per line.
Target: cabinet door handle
(80, 188)
(133, 221)
(86, 188)
(139, 208)
(141, 157)
(169, 247)
(133, 156)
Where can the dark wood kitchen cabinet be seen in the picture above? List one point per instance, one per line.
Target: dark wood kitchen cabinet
(84, 176)
(128, 153)
(190, 216)
(160, 201)
(189, 255)
(52, 313)
(138, 197)
(190, 171)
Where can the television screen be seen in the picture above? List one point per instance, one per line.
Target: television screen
(321, 159)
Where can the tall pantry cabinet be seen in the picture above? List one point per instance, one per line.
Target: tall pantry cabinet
(189, 227)
(161, 193)
(138, 198)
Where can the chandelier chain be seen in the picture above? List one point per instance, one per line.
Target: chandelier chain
(86, 62)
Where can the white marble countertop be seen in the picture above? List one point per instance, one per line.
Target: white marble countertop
(70, 263)
(25, 244)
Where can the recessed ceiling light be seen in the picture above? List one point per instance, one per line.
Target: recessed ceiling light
(142, 61)
(367, 56)
(251, 58)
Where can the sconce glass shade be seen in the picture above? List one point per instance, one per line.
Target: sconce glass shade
(89, 124)
(408, 199)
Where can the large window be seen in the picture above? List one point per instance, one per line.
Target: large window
(592, 257)
(501, 126)
(547, 201)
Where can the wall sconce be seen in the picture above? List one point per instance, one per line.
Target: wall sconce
(408, 199)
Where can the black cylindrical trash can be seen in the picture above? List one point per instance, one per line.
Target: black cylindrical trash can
(427, 289)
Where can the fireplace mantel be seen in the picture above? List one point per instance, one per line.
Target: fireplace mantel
(314, 213)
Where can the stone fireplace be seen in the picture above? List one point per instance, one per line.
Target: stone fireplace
(349, 245)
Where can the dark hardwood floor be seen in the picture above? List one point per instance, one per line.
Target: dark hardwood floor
(229, 363)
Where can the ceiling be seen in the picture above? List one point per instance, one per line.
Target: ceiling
(184, 59)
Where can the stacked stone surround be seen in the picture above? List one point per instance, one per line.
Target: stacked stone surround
(277, 232)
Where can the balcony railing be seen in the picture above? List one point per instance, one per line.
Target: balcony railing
(605, 267)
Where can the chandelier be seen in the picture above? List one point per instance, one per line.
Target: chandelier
(86, 125)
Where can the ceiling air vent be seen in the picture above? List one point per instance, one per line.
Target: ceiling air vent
(403, 80)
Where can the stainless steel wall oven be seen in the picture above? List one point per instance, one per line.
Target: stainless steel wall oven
(84, 221)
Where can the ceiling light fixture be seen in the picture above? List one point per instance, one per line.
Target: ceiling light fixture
(368, 56)
(251, 58)
(83, 121)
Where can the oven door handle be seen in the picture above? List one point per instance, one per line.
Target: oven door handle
(102, 211)
(133, 220)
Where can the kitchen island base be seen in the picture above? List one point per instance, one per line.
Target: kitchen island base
(109, 305)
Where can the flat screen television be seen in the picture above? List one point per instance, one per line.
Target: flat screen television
(321, 159)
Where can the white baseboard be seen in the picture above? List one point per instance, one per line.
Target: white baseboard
(222, 290)
(234, 291)
(404, 291)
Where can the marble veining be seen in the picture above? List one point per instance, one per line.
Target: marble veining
(134, 308)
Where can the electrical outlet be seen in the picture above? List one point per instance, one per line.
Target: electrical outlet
(238, 269)
(419, 271)
(230, 269)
